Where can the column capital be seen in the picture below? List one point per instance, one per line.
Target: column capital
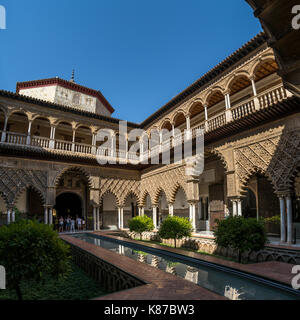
(284, 194)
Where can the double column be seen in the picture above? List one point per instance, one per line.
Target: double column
(141, 211)
(96, 218)
(192, 214)
(11, 215)
(48, 215)
(237, 207)
(228, 114)
(286, 218)
(120, 218)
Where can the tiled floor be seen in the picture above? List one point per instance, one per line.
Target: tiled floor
(160, 285)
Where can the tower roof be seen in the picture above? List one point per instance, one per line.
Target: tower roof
(66, 84)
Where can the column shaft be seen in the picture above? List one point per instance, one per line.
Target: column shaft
(155, 217)
(289, 219)
(46, 215)
(282, 220)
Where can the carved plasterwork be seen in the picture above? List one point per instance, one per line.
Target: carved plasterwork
(14, 181)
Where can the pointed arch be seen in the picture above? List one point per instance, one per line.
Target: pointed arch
(144, 197)
(131, 192)
(74, 168)
(110, 191)
(175, 190)
(157, 193)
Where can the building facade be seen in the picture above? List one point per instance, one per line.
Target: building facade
(49, 163)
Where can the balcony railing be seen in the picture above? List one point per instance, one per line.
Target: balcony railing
(243, 109)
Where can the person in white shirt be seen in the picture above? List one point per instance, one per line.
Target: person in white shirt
(78, 221)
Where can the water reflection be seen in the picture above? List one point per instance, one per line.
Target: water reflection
(232, 286)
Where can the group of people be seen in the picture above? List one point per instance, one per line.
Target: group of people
(70, 224)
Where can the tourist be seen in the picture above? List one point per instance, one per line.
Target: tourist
(68, 223)
(61, 224)
(78, 220)
(83, 224)
(72, 225)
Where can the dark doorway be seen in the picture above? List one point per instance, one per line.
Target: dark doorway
(249, 205)
(68, 204)
(35, 206)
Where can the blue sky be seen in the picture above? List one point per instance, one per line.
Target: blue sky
(138, 53)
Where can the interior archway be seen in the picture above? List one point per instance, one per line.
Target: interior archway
(181, 206)
(68, 204)
(249, 207)
(109, 212)
(130, 209)
(163, 207)
(74, 181)
(30, 205)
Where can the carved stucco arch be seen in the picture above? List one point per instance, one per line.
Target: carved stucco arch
(144, 197)
(252, 173)
(13, 181)
(36, 189)
(59, 174)
(277, 158)
(109, 191)
(119, 187)
(165, 180)
(174, 191)
(157, 194)
(130, 192)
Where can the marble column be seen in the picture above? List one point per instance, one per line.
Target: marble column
(50, 216)
(192, 209)
(282, 219)
(289, 219)
(3, 136)
(234, 208)
(46, 215)
(239, 207)
(28, 140)
(171, 210)
(155, 217)
(98, 218)
(8, 216)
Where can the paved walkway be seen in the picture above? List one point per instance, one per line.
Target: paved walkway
(159, 284)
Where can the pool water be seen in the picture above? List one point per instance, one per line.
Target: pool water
(224, 281)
